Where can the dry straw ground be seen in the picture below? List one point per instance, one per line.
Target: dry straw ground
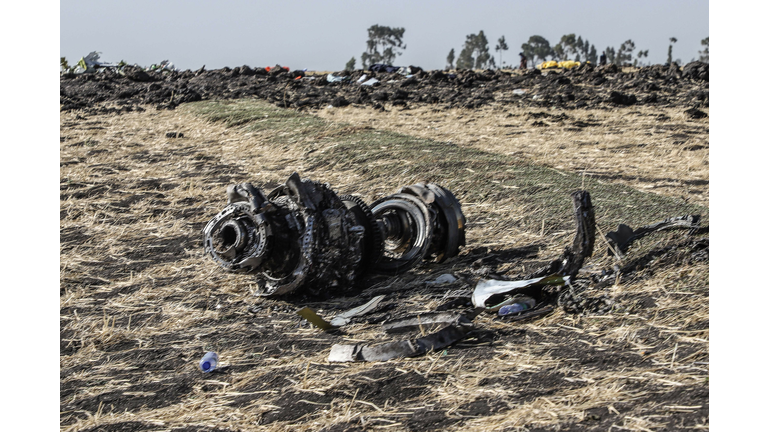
(140, 303)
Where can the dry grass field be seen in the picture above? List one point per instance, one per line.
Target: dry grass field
(654, 149)
(140, 303)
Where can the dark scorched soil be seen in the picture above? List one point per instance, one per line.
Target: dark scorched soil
(583, 87)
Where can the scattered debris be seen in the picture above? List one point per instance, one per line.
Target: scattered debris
(304, 235)
(383, 68)
(344, 317)
(423, 322)
(486, 289)
(621, 239)
(277, 69)
(565, 64)
(407, 348)
(92, 64)
(331, 78)
(516, 299)
(582, 86)
(547, 65)
(517, 304)
(568, 64)
(494, 295)
(88, 64)
(164, 65)
(310, 315)
(443, 279)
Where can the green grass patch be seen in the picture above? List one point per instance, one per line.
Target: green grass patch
(256, 115)
(480, 176)
(475, 176)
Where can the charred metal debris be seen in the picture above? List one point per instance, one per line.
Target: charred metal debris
(488, 296)
(303, 236)
(621, 239)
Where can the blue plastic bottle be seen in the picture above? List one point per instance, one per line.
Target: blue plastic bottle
(209, 361)
(517, 307)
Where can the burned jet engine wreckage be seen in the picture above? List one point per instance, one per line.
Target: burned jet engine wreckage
(303, 236)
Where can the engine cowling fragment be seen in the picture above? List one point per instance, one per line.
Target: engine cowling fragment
(302, 235)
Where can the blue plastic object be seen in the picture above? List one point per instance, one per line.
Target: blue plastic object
(517, 307)
(209, 361)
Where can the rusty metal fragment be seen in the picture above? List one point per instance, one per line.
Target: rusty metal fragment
(302, 235)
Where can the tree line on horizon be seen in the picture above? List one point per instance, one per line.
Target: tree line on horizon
(384, 44)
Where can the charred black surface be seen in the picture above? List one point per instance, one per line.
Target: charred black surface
(583, 87)
(302, 235)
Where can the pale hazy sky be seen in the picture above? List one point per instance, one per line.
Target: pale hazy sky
(324, 35)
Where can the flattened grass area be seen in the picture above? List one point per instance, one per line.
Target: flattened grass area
(660, 150)
(140, 302)
(258, 115)
(473, 175)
